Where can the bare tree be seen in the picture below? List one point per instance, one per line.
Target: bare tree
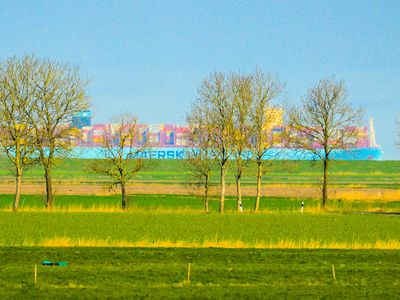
(264, 116)
(325, 122)
(16, 132)
(121, 153)
(241, 86)
(59, 94)
(200, 157)
(214, 96)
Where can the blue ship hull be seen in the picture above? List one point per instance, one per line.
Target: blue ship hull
(282, 154)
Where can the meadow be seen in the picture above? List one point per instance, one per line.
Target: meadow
(192, 203)
(378, 174)
(146, 254)
(350, 250)
(157, 273)
(190, 229)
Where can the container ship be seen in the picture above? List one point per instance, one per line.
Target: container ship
(170, 141)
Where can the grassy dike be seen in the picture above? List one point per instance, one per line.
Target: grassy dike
(215, 273)
(377, 174)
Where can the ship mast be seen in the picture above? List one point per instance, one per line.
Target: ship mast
(372, 138)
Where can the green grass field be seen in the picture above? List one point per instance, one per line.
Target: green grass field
(192, 203)
(144, 252)
(380, 174)
(199, 230)
(306, 247)
(215, 273)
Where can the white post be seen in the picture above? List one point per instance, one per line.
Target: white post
(35, 274)
(188, 276)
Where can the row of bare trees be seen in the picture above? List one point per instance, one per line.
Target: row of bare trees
(230, 122)
(232, 118)
(37, 101)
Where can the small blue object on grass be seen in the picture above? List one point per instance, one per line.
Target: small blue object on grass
(47, 263)
(57, 263)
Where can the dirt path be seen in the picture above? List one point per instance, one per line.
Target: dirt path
(267, 190)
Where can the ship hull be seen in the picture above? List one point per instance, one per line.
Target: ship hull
(281, 154)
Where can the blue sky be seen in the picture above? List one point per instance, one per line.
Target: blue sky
(149, 57)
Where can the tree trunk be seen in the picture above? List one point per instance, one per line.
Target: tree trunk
(258, 196)
(49, 187)
(239, 193)
(206, 192)
(123, 196)
(17, 196)
(325, 185)
(222, 196)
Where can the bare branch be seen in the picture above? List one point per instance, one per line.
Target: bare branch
(325, 122)
(120, 149)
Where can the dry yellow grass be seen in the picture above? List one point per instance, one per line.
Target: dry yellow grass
(281, 244)
(331, 207)
(104, 209)
(69, 208)
(358, 191)
(367, 195)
